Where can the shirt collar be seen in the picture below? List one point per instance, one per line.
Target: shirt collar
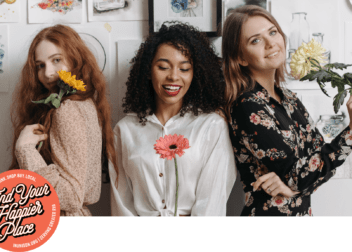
(261, 92)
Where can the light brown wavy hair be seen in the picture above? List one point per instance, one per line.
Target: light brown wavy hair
(239, 78)
(84, 65)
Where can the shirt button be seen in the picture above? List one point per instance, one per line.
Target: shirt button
(163, 201)
(160, 174)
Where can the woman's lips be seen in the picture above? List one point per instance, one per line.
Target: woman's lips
(172, 90)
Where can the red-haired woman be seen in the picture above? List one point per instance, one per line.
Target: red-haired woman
(75, 135)
(281, 156)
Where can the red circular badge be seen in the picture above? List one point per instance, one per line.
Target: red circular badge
(29, 210)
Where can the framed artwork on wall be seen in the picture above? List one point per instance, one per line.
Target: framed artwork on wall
(9, 11)
(203, 14)
(55, 11)
(229, 5)
(115, 10)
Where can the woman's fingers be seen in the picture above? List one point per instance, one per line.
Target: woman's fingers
(37, 127)
(31, 134)
(271, 186)
(41, 137)
(262, 180)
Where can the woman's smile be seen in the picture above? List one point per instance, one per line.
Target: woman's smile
(171, 76)
(172, 90)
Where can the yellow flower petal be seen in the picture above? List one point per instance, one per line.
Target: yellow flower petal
(71, 80)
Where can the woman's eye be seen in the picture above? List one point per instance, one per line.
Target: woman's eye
(184, 70)
(255, 41)
(162, 68)
(273, 32)
(57, 60)
(40, 66)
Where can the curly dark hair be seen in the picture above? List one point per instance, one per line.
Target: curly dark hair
(207, 88)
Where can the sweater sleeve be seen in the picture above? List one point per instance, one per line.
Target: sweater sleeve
(69, 143)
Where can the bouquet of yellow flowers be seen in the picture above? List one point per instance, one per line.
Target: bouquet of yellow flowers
(308, 64)
(68, 85)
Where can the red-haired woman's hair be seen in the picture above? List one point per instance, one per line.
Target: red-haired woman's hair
(238, 78)
(84, 65)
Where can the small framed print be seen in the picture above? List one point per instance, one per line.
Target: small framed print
(206, 15)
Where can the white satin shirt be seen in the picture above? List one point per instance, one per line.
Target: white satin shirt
(147, 183)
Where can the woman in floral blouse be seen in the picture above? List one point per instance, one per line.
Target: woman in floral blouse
(281, 156)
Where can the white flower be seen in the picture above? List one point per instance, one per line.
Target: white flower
(301, 62)
(286, 133)
(346, 150)
(260, 154)
(348, 138)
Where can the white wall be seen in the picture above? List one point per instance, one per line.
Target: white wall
(330, 199)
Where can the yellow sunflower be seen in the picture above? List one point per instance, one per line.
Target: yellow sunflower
(303, 56)
(71, 80)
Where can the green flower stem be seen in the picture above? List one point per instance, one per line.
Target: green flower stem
(61, 94)
(318, 66)
(40, 145)
(334, 74)
(176, 200)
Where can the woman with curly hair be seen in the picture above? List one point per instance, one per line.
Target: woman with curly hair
(175, 87)
(281, 156)
(77, 134)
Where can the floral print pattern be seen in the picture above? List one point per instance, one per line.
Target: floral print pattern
(271, 136)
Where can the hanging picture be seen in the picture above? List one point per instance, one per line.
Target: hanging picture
(192, 8)
(9, 11)
(203, 14)
(229, 5)
(4, 58)
(55, 11)
(114, 10)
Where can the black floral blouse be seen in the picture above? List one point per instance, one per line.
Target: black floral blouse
(268, 136)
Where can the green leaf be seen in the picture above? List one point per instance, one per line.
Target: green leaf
(41, 101)
(50, 98)
(322, 76)
(56, 103)
(348, 78)
(337, 65)
(338, 100)
(309, 76)
(322, 85)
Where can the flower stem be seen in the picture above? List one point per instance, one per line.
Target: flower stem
(62, 92)
(176, 200)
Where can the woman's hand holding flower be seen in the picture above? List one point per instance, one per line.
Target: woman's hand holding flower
(31, 134)
(273, 185)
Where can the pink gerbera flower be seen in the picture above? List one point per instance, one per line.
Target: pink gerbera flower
(170, 145)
